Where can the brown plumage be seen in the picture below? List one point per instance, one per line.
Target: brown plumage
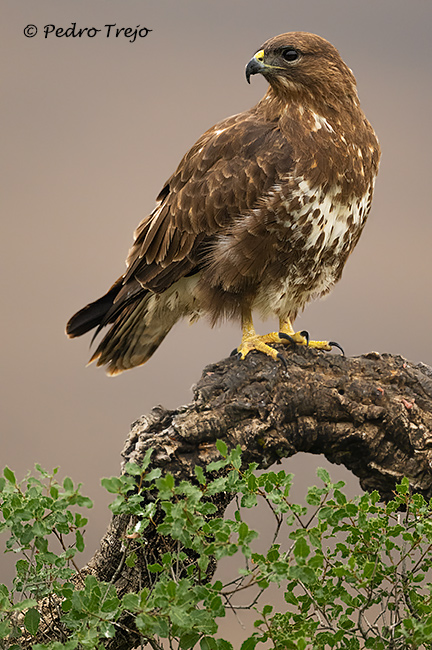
(261, 213)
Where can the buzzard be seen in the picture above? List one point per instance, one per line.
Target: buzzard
(261, 214)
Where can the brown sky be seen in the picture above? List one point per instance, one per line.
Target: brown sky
(93, 127)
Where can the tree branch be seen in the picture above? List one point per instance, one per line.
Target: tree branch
(372, 414)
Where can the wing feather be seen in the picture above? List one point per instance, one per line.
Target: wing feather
(224, 176)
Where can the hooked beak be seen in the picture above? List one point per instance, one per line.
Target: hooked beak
(255, 66)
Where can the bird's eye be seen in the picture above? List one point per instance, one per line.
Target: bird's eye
(290, 54)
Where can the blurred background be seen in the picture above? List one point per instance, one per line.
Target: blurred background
(92, 129)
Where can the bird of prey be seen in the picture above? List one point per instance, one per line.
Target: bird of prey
(261, 213)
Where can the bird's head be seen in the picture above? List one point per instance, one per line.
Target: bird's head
(297, 64)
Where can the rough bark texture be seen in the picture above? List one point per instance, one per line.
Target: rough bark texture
(372, 414)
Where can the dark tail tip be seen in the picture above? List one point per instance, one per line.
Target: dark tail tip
(92, 315)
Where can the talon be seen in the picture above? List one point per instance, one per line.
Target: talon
(299, 338)
(287, 337)
(234, 352)
(282, 358)
(336, 345)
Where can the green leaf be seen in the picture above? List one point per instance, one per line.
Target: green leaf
(189, 640)
(131, 559)
(166, 483)
(112, 484)
(179, 617)
(222, 449)
(325, 513)
(79, 541)
(91, 582)
(143, 621)
(249, 501)
(171, 588)
(340, 497)
(222, 644)
(351, 509)
(133, 469)
(314, 495)
(66, 605)
(41, 544)
(207, 643)
(80, 521)
(252, 482)
(106, 629)
(235, 457)
(68, 484)
(323, 475)
(403, 487)
(301, 548)
(31, 620)
(5, 629)
(243, 531)
(316, 560)
(24, 604)
(84, 502)
(303, 573)
(152, 474)
(131, 602)
(208, 508)
(199, 473)
(368, 569)
(147, 458)
(249, 644)
(9, 475)
(290, 598)
(217, 607)
(110, 605)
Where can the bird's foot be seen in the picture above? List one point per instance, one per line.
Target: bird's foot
(261, 344)
(302, 338)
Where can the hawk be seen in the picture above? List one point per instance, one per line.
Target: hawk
(261, 214)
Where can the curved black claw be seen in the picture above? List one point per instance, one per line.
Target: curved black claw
(282, 335)
(282, 358)
(234, 352)
(336, 345)
(305, 334)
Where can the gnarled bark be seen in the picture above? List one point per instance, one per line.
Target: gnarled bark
(372, 414)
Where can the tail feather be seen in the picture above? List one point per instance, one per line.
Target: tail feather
(134, 336)
(140, 322)
(92, 315)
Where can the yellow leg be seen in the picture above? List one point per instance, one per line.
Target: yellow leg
(253, 341)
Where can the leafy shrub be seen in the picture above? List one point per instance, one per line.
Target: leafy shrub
(354, 574)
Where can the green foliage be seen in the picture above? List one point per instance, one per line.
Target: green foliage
(33, 510)
(353, 573)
